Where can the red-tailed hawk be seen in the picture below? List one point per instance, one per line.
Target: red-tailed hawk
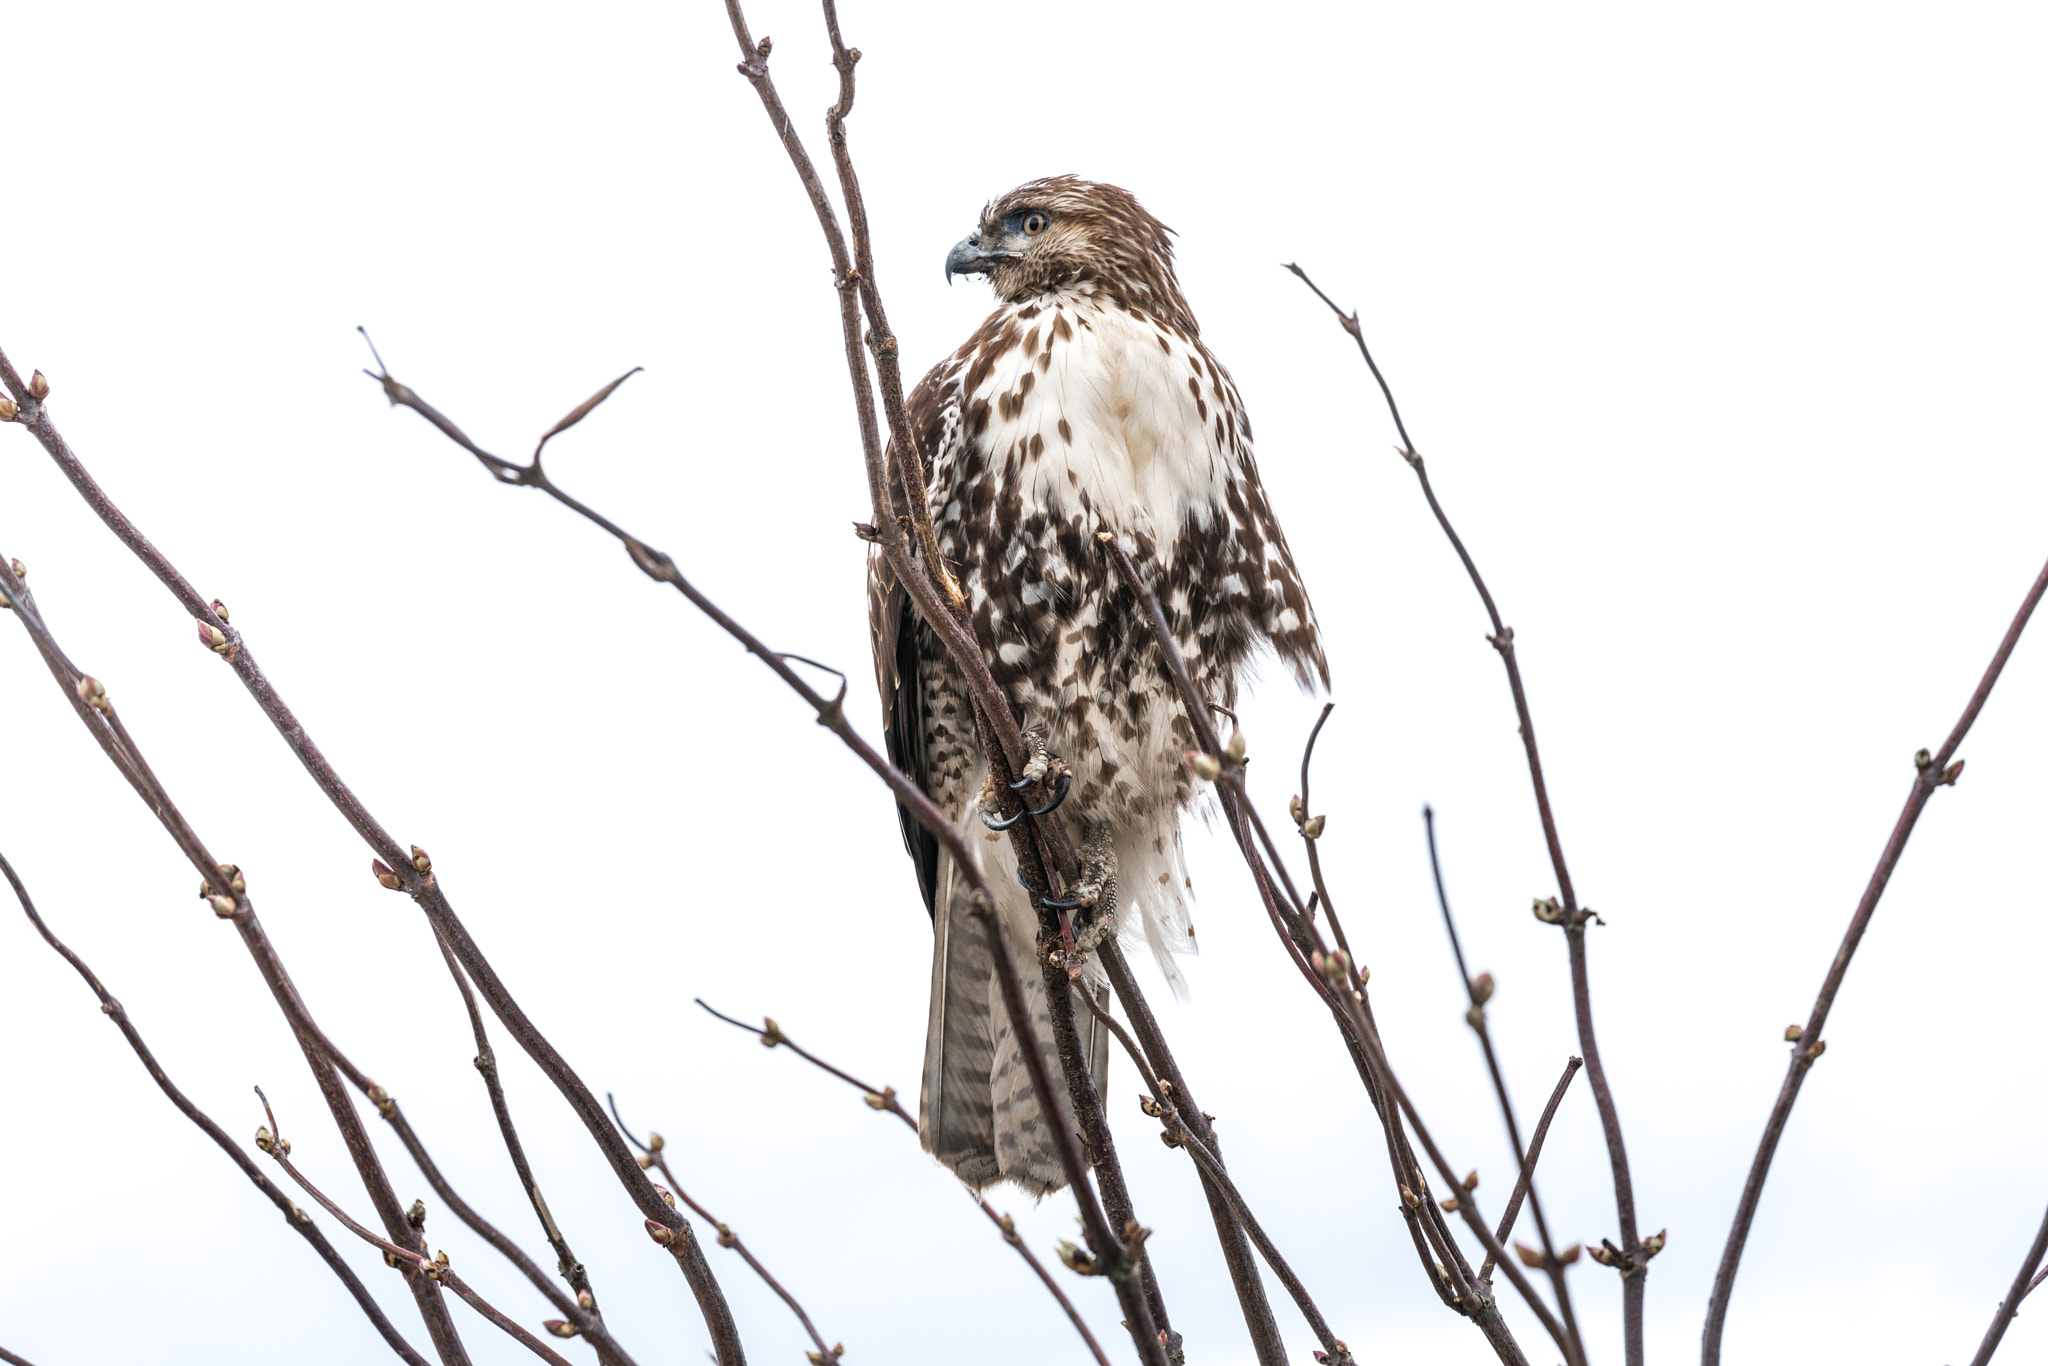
(1086, 403)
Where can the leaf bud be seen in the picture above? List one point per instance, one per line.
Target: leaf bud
(1654, 1244)
(9, 409)
(420, 860)
(1151, 1107)
(264, 1142)
(1818, 1047)
(1529, 1256)
(559, 1328)
(220, 609)
(1450, 1205)
(726, 1237)
(92, 692)
(1078, 1260)
(1471, 1181)
(883, 1100)
(1408, 1198)
(771, 1035)
(39, 386)
(441, 1259)
(385, 876)
(1206, 766)
(417, 1215)
(660, 1233)
(1793, 1033)
(1569, 1255)
(646, 1161)
(1296, 809)
(223, 906)
(584, 1301)
(1234, 750)
(212, 637)
(1476, 1017)
(1951, 773)
(1312, 828)
(1602, 1255)
(666, 1194)
(1922, 759)
(1482, 988)
(20, 569)
(1548, 910)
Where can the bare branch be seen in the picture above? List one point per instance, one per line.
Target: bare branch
(1931, 771)
(1634, 1261)
(294, 1217)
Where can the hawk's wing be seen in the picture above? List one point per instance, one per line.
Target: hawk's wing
(894, 625)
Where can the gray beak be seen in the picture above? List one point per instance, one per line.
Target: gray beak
(966, 257)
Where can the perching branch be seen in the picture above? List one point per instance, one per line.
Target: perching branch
(294, 1217)
(1931, 771)
(1634, 1260)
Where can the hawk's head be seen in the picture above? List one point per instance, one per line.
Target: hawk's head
(1066, 231)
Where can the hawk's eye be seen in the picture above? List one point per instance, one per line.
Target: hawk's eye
(1034, 224)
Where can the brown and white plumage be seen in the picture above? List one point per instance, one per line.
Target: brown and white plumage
(1085, 403)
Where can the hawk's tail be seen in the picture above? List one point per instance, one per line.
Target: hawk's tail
(977, 1112)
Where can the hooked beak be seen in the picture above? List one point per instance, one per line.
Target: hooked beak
(967, 257)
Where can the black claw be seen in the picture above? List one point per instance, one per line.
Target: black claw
(1022, 783)
(1053, 905)
(988, 819)
(1025, 883)
(1059, 795)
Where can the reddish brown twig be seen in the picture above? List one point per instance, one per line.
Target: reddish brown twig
(654, 1152)
(883, 1099)
(1476, 995)
(425, 891)
(2022, 1285)
(1634, 1261)
(294, 1217)
(1931, 771)
(271, 1141)
(1524, 1181)
(223, 884)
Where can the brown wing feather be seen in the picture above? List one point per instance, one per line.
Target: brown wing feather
(894, 626)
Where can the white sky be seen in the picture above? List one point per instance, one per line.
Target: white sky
(1721, 329)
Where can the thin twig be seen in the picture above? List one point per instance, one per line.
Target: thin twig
(1932, 771)
(1634, 1260)
(271, 1141)
(655, 1151)
(883, 1099)
(294, 1217)
(1523, 1182)
(1475, 1016)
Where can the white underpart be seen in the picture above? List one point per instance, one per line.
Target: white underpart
(1147, 457)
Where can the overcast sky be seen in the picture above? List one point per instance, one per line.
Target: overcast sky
(1720, 328)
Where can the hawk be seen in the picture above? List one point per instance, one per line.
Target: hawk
(1085, 404)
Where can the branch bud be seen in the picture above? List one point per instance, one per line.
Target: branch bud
(212, 637)
(420, 860)
(1476, 1017)
(646, 1161)
(385, 876)
(584, 1301)
(1793, 1033)
(223, 906)
(9, 409)
(1078, 1260)
(1818, 1047)
(1449, 1206)
(883, 1101)
(1471, 1181)
(220, 609)
(559, 1327)
(660, 1233)
(1151, 1107)
(1408, 1198)
(1296, 809)
(1603, 1254)
(1234, 750)
(655, 1143)
(20, 569)
(233, 874)
(1482, 988)
(264, 1142)
(726, 1237)
(417, 1215)
(666, 1194)
(1654, 1244)
(92, 692)
(1568, 1256)
(39, 386)
(1529, 1256)
(771, 1034)
(1207, 767)
(1951, 773)
(1548, 910)
(1922, 759)
(1312, 828)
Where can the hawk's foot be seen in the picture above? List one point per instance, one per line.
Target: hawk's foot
(1045, 769)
